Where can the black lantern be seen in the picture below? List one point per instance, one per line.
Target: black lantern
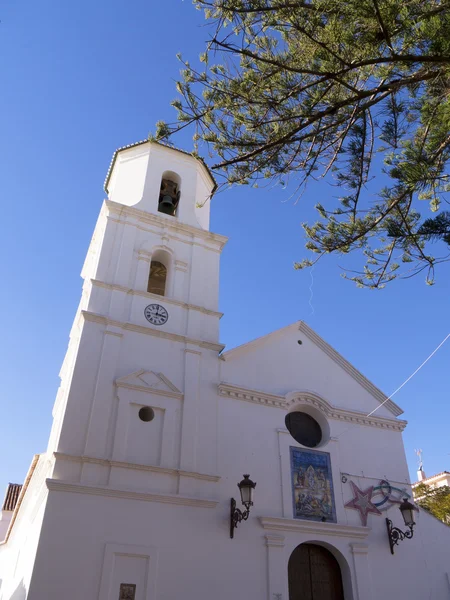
(407, 509)
(395, 534)
(246, 487)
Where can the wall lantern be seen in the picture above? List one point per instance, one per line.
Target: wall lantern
(395, 534)
(246, 487)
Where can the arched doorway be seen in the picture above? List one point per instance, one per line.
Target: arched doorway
(314, 574)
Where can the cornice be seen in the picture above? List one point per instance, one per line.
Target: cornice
(121, 288)
(239, 393)
(342, 414)
(314, 527)
(78, 488)
(136, 467)
(204, 167)
(285, 402)
(172, 225)
(101, 319)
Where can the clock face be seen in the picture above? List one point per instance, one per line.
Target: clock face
(156, 314)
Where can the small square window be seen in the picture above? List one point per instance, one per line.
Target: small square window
(127, 591)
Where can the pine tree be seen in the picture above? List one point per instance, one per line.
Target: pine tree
(355, 92)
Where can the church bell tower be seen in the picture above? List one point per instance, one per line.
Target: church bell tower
(145, 340)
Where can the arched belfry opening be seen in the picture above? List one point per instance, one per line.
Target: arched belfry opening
(314, 574)
(158, 274)
(169, 193)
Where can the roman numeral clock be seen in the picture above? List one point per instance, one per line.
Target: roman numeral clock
(156, 314)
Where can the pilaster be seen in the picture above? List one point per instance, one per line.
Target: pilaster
(192, 363)
(102, 409)
(276, 567)
(362, 579)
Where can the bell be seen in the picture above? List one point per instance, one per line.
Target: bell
(167, 205)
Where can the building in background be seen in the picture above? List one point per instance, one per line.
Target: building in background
(435, 481)
(154, 425)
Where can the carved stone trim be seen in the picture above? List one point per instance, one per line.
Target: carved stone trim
(122, 211)
(96, 318)
(136, 466)
(132, 382)
(314, 527)
(233, 391)
(357, 548)
(78, 488)
(274, 541)
(349, 416)
(181, 266)
(150, 296)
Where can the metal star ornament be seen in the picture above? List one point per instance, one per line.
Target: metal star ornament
(362, 502)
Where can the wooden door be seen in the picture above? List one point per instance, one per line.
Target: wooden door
(314, 574)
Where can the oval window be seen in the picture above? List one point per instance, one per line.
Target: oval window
(304, 429)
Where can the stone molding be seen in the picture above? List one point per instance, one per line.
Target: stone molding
(285, 402)
(314, 527)
(150, 553)
(274, 541)
(120, 210)
(150, 296)
(132, 382)
(239, 393)
(102, 320)
(357, 548)
(180, 265)
(136, 466)
(55, 485)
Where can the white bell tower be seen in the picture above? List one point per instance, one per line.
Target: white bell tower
(144, 344)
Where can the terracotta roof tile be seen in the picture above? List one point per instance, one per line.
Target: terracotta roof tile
(12, 495)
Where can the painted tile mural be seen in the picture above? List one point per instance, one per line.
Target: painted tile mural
(312, 485)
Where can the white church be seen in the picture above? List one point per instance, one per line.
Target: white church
(155, 424)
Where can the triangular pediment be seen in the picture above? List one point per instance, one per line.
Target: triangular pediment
(297, 357)
(149, 381)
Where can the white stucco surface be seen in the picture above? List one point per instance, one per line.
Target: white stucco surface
(116, 500)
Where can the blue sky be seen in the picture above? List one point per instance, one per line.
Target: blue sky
(81, 79)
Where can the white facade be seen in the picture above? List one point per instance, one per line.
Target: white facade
(116, 500)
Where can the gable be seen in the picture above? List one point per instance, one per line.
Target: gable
(149, 381)
(277, 364)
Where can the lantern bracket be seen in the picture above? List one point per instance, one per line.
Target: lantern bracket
(396, 535)
(246, 489)
(237, 516)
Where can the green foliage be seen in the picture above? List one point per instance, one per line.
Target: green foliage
(435, 501)
(332, 89)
